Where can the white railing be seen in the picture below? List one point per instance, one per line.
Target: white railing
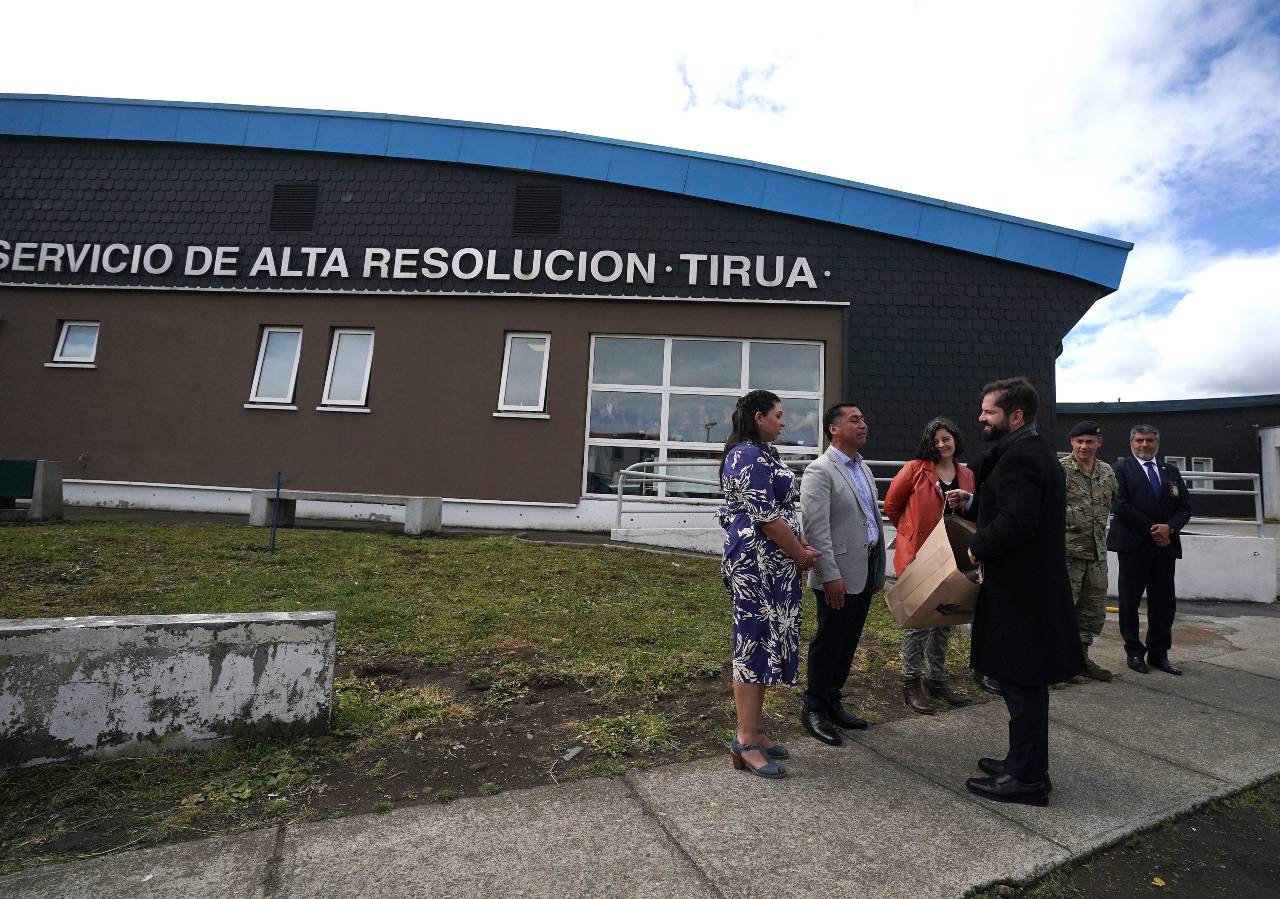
(1256, 479)
(647, 473)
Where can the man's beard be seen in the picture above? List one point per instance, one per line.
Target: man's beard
(992, 433)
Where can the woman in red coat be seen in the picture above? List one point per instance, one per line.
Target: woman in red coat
(914, 505)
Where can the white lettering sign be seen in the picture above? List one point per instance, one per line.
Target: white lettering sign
(407, 264)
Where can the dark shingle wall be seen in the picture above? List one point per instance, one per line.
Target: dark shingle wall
(927, 326)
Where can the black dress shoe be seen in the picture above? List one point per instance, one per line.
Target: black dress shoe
(1163, 664)
(1005, 788)
(841, 718)
(995, 768)
(820, 727)
(1136, 663)
(990, 684)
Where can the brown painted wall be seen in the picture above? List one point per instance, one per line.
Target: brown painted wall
(174, 370)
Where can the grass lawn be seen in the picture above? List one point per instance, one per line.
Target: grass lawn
(465, 666)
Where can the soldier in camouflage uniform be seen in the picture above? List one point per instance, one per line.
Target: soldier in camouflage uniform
(1091, 486)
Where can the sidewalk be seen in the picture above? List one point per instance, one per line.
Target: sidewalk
(886, 815)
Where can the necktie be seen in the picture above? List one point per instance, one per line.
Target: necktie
(1153, 477)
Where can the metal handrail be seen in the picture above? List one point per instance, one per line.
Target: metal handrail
(639, 472)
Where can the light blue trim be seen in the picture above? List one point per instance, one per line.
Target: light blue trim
(1091, 257)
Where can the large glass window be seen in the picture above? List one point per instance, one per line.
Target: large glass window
(277, 369)
(77, 343)
(347, 382)
(524, 373)
(671, 400)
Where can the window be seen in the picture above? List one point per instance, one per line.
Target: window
(1180, 461)
(77, 344)
(277, 369)
(1201, 463)
(671, 400)
(346, 386)
(524, 374)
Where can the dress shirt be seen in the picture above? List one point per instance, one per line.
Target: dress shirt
(866, 497)
(1149, 466)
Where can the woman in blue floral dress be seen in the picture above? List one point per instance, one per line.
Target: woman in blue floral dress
(764, 554)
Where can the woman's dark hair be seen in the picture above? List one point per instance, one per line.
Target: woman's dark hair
(745, 429)
(927, 450)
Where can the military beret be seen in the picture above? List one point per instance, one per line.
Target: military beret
(1086, 429)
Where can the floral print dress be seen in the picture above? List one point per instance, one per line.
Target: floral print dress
(763, 580)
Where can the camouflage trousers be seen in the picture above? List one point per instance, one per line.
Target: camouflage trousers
(924, 653)
(1089, 591)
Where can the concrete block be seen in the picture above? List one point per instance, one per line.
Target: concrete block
(422, 515)
(261, 504)
(226, 866)
(845, 822)
(1101, 791)
(1216, 566)
(101, 686)
(46, 494)
(589, 838)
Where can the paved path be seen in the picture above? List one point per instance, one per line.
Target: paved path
(885, 816)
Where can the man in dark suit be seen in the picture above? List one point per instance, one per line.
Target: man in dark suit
(1150, 510)
(1024, 627)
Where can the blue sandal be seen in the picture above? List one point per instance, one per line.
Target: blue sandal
(776, 751)
(772, 770)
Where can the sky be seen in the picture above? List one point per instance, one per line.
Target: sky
(1153, 122)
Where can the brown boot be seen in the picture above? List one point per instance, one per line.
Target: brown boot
(1094, 670)
(914, 696)
(938, 689)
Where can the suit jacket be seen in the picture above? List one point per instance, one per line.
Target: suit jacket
(914, 505)
(835, 525)
(1136, 508)
(1024, 628)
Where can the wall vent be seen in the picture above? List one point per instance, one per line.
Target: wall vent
(293, 206)
(537, 209)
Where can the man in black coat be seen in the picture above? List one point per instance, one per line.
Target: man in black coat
(1024, 628)
(1150, 510)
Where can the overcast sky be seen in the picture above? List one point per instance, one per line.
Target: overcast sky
(1154, 122)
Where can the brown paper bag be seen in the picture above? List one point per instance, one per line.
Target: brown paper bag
(939, 587)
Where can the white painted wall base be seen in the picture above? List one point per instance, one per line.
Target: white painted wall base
(1217, 567)
(694, 540)
(589, 514)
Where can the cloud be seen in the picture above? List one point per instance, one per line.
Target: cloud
(1154, 121)
(1220, 339)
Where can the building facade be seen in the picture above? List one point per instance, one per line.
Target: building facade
(195, 297)
(1222, 434)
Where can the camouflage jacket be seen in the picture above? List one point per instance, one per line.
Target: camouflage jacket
(1088, 506)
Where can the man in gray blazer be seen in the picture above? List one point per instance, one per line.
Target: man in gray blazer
(842, 521)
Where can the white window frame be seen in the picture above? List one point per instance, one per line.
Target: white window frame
(1179, 461)
(1201, 483)
(666, 391)
(328, 404)
(60, 358)
(541, 408)
(274, 401)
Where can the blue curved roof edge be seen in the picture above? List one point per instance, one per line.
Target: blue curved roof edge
(1090, 257)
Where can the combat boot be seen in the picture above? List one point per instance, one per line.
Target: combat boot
(1094, 670)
